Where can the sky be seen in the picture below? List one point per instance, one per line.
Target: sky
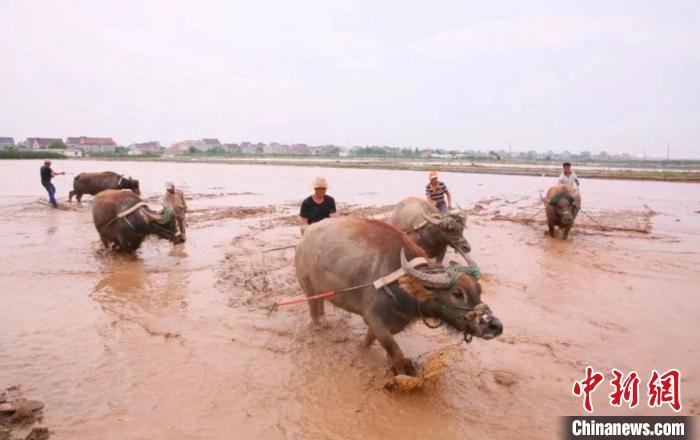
(618, 76)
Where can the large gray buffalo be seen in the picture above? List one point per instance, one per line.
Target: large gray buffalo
(123, 219)
(94, 183)
(343, 253)
(561, 205)
(433, 232)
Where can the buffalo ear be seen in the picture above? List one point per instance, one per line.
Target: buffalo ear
(414, 288)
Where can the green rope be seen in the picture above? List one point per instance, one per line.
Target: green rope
(456, 271)
(473, 272)
(167, 214)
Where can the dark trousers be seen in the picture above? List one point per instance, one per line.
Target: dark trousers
(51, 190)
(181, 225)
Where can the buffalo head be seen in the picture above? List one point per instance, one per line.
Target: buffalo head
(129, 183)
(164, 225)
(452, 295)
(451, 227)
(566, 208)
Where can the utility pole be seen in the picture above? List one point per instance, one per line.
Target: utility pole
(668, 150)
(510, 150)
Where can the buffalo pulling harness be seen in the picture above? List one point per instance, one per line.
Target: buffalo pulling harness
(471, 313)
(124, 215)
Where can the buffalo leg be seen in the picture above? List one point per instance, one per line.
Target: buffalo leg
(316, 310)
(566, 233)
(125, 245)
(369, 338)
(551, 230)
(398, 363)
(78, 196)
(70, 196)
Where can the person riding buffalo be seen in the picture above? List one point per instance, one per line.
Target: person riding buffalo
(317, 206)
(568, 177)
(47, 174)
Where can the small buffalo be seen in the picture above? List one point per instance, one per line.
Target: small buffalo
(432, 231)
(562, 204)
(123, 219)
(94, 183)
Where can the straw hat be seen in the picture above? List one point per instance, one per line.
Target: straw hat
(320, 182)
(432, 175)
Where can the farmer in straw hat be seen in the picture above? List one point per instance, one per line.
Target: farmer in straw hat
(175, 200)
(317, 206)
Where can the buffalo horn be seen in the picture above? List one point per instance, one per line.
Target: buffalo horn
(435, 280)
(431, 219)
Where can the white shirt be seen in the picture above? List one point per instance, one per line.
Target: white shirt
(570, 180)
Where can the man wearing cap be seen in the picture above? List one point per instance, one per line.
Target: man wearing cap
(568, 177)
(317, 206)
(47, 174)
(435, 192)
(175, 200)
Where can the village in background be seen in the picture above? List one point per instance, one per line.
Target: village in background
(107, 147)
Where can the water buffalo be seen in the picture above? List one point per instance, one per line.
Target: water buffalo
(433, 232)
(93, 183)
(562, 204)
(346, 252)
(122, 218)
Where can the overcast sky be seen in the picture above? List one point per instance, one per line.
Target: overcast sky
(597, 75)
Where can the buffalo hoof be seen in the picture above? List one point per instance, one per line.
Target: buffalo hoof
(408, 367)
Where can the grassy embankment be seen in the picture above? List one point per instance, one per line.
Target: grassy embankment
(672, 171)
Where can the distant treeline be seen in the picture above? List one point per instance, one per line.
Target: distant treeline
(16, 154)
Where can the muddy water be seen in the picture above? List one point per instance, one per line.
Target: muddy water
(176, 342)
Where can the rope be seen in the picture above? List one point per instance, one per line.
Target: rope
(603, 227)
(279, 248)
(327, 294)
(425, 321)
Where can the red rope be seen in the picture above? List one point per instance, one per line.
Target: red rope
(300, 299)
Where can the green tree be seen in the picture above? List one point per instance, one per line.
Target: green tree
(58, 145)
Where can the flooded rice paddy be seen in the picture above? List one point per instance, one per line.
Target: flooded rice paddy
(177, 342)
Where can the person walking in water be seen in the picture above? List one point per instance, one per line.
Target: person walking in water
(317, 206)
(435, 192)
(568, 177)
(47, 174)
(174, 199)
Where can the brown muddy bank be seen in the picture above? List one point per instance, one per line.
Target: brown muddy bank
(178, 341)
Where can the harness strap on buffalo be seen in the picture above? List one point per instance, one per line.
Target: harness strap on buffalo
(125, 213)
